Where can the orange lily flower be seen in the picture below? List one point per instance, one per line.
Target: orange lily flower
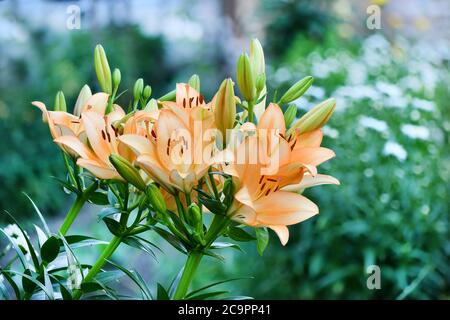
(262, 198)
(174, 153)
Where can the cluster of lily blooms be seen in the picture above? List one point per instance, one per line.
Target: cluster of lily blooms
(176, 140)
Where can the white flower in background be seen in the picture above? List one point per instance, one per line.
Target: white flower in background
(372, 123)
(422, 104)
(389, 89)
(396, 102)
(357, 92)
(282, 75)
(357, 73)
(330, 132)
(392, 148)
(16, 235)
(316, 92)
(416, 132)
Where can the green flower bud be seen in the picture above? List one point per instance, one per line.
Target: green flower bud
(116, 78)
(245, 78)
(102, 69)
(315, 118)
(290, 114)
(194, 82)
(170, 96)
(257, 57)
(83, 96)
(156, 199)
(260, 82)
(152, 105)
(60, 102)
(225, 107)
(137, 90)
(147, 92)
(195, 217)
(297, 90)
(127, 171)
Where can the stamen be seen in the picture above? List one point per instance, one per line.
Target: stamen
(103, 135)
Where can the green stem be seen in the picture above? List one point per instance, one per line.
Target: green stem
(250, 111)
(106, 254)
(218, 224)
(75, 209)
(192, 263)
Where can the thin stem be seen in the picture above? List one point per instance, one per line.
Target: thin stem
(190, 267)
(106, 254)
(75, 209)
(250, 111)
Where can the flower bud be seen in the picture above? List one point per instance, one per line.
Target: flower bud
(170, 96)
(127, 171)
(116, 78)
(316, 117)
(137, 89)
(260, 82)
(83, 96)
(102, 69)
(257, 57)
(290, 114)
(60, 102)
(225, 107)
(147, 92)
(194, 82)
(245, 78)
(156, 199)
(195, 217)
(297, 90)
(152, 105)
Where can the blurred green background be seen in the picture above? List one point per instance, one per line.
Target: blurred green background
(390, 130)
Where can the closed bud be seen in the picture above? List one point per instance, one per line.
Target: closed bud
(116, 78)
(152, 105)
(83, 96)
(297, 90)
(156, 199)
(316, 117)
(60, 102)
(290, 114)
(194, 82)
(260, 82)
(170, 96)
(245, 77)
(195, 217)
(147, 92)
(225, 107)
(137, 89)
(127, 171)
(102, 69)
(257, 57)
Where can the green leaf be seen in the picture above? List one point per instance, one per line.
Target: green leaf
(19, 251)
(40, 285)
(66, 295)
(12, 283)
(41, 217)
(48, 284)
(114, 226)
(240, 234)
(108, 211)
(50, 249)
(223, 245)
(99, 198)
(108, 276)
(215, 284)
(162, 293)
(170, 238)
(28, 285)
(207, 295)
(262, 239)
(27, 240)
(137, 279)
(135, 242)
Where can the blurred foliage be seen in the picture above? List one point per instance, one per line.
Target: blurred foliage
(49, 62)
(289, 17)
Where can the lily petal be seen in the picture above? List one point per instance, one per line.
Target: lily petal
(284, 208)
(98, 169)
(311, 181)
(76, 146)
(282, 233)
